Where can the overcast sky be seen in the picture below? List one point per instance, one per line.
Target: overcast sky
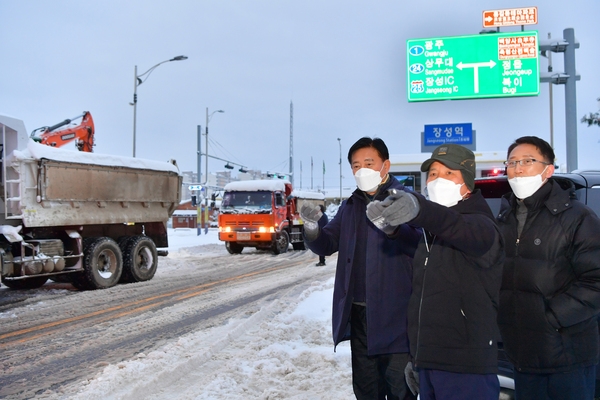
(341, 62)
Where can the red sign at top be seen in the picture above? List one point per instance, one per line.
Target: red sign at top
(510, 17)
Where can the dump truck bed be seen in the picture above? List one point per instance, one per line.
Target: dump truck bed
(46, 186)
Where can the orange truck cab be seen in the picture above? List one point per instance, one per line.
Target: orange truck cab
(263, 214)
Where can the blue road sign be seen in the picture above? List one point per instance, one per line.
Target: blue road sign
(439, 134)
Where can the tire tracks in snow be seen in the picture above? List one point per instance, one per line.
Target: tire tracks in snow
(57, 341)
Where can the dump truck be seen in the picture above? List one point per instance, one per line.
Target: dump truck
(263, 214)
(90, 219)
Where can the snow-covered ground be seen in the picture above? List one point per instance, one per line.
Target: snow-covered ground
(284, 351)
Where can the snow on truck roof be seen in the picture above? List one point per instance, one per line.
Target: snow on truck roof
(303, 194)
(270, 186)
(38, 151)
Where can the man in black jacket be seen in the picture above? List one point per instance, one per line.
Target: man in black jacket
(550, 295)
(456, 278)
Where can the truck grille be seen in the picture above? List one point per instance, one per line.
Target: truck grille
(246, 223)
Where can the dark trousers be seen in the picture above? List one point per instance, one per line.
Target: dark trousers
(322, 259)
(577, 384)
(444, 385)
(375, 377)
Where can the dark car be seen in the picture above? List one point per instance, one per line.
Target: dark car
(586, 186)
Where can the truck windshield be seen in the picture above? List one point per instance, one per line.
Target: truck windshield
(246, 202)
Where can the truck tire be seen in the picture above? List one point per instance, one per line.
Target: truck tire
(29, 283)
(102, 264)
(234, 247)
(282, 242)
(140, 259)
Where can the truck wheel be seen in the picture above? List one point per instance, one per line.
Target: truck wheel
(102, 264)
(140, 259)
(29, 283)
(282, 242)
(299, 246)
(234, 247)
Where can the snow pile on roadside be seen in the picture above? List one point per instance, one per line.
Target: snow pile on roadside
(183, 238)
(284, 351)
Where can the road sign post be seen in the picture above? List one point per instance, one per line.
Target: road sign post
(476, 66)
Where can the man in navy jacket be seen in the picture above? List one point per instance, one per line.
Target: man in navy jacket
(373, 276)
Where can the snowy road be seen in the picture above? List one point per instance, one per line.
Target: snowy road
(209, 325)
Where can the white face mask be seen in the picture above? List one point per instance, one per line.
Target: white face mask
(444, 192)
(525, 186)
(368, 179)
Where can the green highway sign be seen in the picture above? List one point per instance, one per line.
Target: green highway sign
(476, 66)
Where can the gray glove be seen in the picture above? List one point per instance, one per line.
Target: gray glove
(412, 378)
(310, 214)
(398, 208)
(375, 214)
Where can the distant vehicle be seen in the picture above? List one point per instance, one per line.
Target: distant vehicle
(585, 184)
(62, 133)
(89, 219)
(586, 187)
(263, 214)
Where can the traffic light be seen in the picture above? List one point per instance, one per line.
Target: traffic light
(228, 166)
(194, 201)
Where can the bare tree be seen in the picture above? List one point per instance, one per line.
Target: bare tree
(592, 118)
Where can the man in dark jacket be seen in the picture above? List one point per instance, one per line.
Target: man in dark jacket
(373, 277)
(550, 295)
(456, 281)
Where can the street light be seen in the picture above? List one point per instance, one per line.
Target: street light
(340, 142)
(137, 81)
(208, 117)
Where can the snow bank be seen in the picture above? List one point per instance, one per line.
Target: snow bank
(282, 352)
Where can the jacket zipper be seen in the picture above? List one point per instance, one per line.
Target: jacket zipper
(422, 293)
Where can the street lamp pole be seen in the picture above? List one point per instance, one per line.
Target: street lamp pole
(208, 117)
(137, 81)
(340, 142)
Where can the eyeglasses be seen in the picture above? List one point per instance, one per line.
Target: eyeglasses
(526, 162)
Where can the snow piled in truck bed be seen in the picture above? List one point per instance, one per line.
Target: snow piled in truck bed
(37, 151)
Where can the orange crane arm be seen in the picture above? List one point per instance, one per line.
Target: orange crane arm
(82, 134)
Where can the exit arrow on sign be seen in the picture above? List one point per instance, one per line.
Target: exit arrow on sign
(462, 65)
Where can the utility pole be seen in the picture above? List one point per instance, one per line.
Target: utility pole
(199, 154)
(340, 142)
(567, 78)
(292, 143)
(551, 97)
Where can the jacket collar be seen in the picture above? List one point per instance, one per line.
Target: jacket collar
(550, 195)
(474, 204)
(381, 192)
